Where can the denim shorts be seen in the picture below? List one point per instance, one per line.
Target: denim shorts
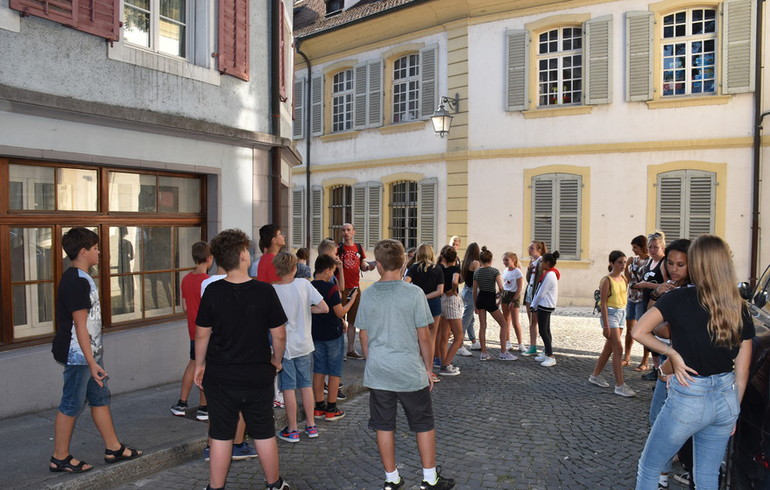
(635, 310)
(328, 356)
(616, 316)
(295, 373)
(435, 306)
(80, 387)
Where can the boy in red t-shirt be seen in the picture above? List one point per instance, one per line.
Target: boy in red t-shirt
(271, 241)
(191, 300)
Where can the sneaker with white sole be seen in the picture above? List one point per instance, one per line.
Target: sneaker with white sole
(279, 485)
(507, 356)
(243, 451)
(540, 357)
(598, 381)
(476, 345)
(483, 356)
(548, 362)
(462, 351)
(202, 413)
(449, 371)
(180, 409)
(624, 390)
(684, 478)
(508, 345)
(522, 348)
(532, 351)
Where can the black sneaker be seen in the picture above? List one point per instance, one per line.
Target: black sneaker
(441, 484)
(389, 485)
(279, 485)
(179, 409)
(651, 376)
(684, 478)
(203, 413)
(341, 395)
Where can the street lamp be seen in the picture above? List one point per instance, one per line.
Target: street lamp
(441, 119)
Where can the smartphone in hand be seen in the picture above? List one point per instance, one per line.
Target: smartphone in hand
(350, 294)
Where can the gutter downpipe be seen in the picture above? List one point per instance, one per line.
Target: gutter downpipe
(306, 105)
(275, 111)
(758, 117)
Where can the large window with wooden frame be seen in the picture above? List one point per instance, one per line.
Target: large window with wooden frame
(159, 25)
(689, 52)
(147, 222)
(560, 67)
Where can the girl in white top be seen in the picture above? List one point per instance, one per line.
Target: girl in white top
(513, 280)
(544, 302)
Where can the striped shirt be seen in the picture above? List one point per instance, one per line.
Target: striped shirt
(486, 277)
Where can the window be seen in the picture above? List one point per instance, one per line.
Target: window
(685, 203)
(403, 213)
(689, 52)
(341, 207)
(406, 88)
(556, 204)
(560, 67)
(342, 101)
(142, 262)
(159, 25)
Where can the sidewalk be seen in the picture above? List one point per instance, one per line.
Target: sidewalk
(142, 419)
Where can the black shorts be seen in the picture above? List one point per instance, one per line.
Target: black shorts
(417, 406)
(486, 300)
(256, 405)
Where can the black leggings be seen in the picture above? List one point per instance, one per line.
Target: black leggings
(544, 326)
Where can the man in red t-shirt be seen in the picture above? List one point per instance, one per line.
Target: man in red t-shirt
(191, 300)
(352, 256)
(271, 240)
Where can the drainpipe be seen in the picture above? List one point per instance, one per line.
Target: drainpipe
(275, 111)
(306, 105)
(758, 117)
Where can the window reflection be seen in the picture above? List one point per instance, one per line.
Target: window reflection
(30, 188)
(179, 195)
(32, 281)
(132, 192)
(76, 189)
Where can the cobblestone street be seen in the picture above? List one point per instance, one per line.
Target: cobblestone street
(499, 425)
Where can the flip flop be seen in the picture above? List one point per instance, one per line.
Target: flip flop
(641, 367)
(117, 455)
(66, 465)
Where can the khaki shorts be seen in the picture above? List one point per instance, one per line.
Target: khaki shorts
(509, 298)
(353, 311)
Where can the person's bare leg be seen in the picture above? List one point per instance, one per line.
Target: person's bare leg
(516, 324)
(308, 404)
(617, 354)
(442, 338)
(532, 328)
(63, 427)
(267, 450)
(334, 388)
(505, 334)
(629, 342)
(456, 324)
(386, 443)
(290, 399)
(603, 357)
(240, 430)
(426, 445)
(483, 330)
(351, 338)
(103, 422)
(507, 319)
(187, 381)
(219, 464)
(318, 387)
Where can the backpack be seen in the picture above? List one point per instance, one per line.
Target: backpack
(598, 295)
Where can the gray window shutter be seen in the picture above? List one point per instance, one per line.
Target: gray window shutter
(517, 57)
(669, 201)
(375, 94)
(298, 130)
(316, 101)
(543, 209)
(569, 216)
(638, 56)
(428, 64)
(297, 212)
(359, 208)
(739, 31)
(427, 207)
(701, 193)
(360, 96)
(374, 212)
(316, 214)
(598, 60)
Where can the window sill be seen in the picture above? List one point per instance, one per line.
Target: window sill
(403, 127)
(688, 101)
(9, 20)
(558, 111)
(347, 135)
(166, 64)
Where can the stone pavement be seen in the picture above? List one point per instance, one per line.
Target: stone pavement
(506, 425)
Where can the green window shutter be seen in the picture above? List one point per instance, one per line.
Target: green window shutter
(428, 64)
(517, 57)
(427, 207)
(700, 200)
(638, 56)
(375, 94)
(598, 60)
(543, 209)
(316, 214)
(739, 32)
(568, 224)
(297, 212)
(298, 129)
(360, 96)
(670, 193)
(316, 105)
(374, 214)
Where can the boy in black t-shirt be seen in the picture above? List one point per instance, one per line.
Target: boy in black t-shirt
(233, 360)
(328, 340)
(78, 345)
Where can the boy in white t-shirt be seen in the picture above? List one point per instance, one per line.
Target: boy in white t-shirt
(299, 300)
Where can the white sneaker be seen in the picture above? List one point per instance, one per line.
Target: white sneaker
(449, 371)
(462, 351)
(476, 345)
(541, 357)
(598, 381)
(523, 348)
(507, 356)
(548, 362)
(508, 345)
(624, 390)
(483, 356)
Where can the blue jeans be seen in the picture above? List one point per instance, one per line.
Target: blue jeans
(706, 410)
(468, 320)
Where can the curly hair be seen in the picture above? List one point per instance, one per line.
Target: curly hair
(227, 246)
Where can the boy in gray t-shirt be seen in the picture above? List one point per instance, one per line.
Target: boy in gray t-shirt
(394, 318)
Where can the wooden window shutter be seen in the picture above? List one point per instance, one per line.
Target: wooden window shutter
(638, 56)
(569, 216)
(233, 57)
(297, 213)
(427, 207)
(517, 57)
(100, 18)
(739, 26)
(375, 94)
(428, 79)
(360, 94)
(543, 209)
(316, 214)
(62, 11)
(298, 130)
(316, 105)
(359, 210)
(686, 202)
(598, 60)
(669, 202)
(701, 190)
(281, 52)
(374, 221)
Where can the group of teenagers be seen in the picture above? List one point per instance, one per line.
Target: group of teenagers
(680, 302)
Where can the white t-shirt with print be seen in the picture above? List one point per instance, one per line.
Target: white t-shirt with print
(510, 278)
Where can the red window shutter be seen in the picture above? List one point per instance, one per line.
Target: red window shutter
(233, 57)
(62, 11)
(100, 18)
(282, 53)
